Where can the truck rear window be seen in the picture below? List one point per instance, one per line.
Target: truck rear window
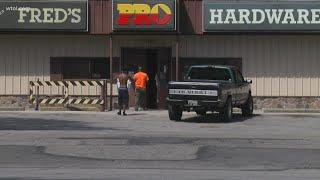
(209, 73)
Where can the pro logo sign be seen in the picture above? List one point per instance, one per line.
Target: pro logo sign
(144, 16)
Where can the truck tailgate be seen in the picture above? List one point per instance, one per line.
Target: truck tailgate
(193, 91)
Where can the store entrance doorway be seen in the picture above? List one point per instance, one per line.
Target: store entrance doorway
(156, 63)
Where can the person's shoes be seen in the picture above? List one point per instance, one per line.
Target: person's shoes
(119, 113)
(124, 113)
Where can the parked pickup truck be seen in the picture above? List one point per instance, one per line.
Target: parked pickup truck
(210, 88)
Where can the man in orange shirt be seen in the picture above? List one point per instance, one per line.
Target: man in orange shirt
(140, 82)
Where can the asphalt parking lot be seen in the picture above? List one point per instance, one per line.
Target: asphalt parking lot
(146, 145)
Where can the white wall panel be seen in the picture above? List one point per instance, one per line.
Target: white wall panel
(9, 68)
(279, 65)
(283, 66)
(24, 68)
(3, 52)
(250, 60)
(275, 62)
(260, 69)
(26, 58)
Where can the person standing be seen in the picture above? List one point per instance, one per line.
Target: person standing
(140, 82)
(123, 83)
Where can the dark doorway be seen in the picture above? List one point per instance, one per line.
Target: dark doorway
(156, 63)
(152, 70)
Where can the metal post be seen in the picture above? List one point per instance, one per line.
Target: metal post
(177, 40)
(64, 96)
(65, 91)
(111, 73)
(30, 92)
(177, 58)
(37, 97)
(104, 95)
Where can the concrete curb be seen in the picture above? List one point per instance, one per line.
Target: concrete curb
(291, 110)
(12, 109)
(95, 109)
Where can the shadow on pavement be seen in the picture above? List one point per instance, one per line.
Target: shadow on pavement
(214, 118)
(9, 123)
(135, 114)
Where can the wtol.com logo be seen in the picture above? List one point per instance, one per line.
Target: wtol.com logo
(143, 14)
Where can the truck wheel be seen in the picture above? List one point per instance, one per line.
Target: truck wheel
(201, 113)
(226, 112)
(247, 108)
(175, 113)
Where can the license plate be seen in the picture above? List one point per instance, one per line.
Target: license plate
(192, 103)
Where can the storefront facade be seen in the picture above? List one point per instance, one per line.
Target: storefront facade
(165, 38)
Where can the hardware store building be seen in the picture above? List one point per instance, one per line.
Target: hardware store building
(275, 44)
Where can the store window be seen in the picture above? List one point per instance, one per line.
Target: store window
(83, 68)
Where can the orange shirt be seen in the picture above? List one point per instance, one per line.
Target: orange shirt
(140, 80)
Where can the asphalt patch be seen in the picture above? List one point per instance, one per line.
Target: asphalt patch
(269, 158)
(158, 140)
(141, 140)
(299, 116)
(9, 123)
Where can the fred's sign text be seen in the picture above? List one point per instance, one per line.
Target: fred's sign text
(43, 15)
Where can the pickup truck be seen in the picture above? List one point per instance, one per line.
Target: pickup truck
(213, 88)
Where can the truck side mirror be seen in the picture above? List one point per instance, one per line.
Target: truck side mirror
(249, 81)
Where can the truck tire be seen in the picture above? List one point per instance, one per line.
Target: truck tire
(226, 111)
(175, 113)
(247, 108)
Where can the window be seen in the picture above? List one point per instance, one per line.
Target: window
(209, 73)
(189, 61)
(73, 68)
(239, 77)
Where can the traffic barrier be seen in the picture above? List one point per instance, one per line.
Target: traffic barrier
(49, 101)
(65, 100)
(85, 101)
(86, 83)
(49, 83)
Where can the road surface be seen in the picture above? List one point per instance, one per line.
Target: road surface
(146, 145)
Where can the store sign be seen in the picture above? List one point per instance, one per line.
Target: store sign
(145, 15)
(273, 16)
(46, 15)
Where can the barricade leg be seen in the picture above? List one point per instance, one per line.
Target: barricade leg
(37, 98)
(110, 97)
(104, 95)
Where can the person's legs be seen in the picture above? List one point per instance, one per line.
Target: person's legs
(140, 98)
(137, 99)
(120, 103)
(124, 110)
(125, 101)
(144, 99)
(121, 100)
